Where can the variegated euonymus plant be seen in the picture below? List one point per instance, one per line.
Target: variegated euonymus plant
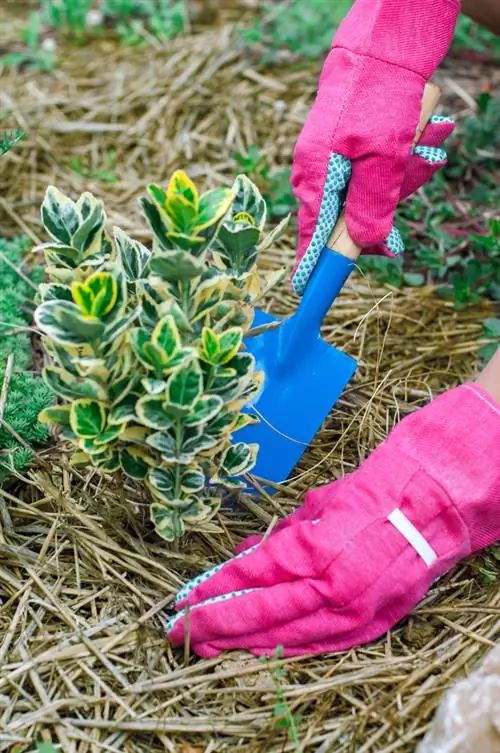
(146, 345)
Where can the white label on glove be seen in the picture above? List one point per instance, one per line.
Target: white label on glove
(413, 537)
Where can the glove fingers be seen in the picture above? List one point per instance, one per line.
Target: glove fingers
(423, 164)
(296, 552)
(249, 617)
(370, 211)
(392, 246)
(437, 130)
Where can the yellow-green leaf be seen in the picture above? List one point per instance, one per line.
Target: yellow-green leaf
(97, 295)
(211, 349)
(213, 206)
(181, 185)
(56, 414)
(87, 418)
(230, 342)
(166, 336)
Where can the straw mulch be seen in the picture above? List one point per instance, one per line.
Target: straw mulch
(84, 582)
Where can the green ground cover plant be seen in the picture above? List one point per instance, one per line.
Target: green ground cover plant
(147, 344)
(23, 393)
(274, 184)
(306, 29)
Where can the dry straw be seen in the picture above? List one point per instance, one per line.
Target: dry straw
(84, 582)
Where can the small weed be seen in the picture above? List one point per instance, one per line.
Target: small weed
(471, 36)
(489, 564)
(285, 720)
(304, 29)
(36, 55)
(476, 273)
(105, 174)
(137, 23)
(274, 184)
(69, 16)
(8, 139)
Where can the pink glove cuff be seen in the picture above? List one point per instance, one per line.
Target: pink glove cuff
(410, 34)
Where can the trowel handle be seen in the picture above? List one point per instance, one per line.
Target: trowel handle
(340, 241)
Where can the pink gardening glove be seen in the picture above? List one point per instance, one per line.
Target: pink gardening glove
(425, 499)
(367, 111)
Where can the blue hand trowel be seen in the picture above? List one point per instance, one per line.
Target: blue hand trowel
(304, 375)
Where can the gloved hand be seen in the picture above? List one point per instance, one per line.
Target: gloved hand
(367, 109)
(364, 550)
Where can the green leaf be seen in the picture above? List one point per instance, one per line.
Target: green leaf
(180, 186)
(123, 411)
(181, 214)
(68, 386)
(109, 435)
(166, 336)
(55, 292)
(196, 441)
(165, 443)
(200, 510)
(56, 414)
(64, 323)
(177, 265)
(185, 386)
(205, 302)
(415, 279)
(492, 327)
(121, 325)
(230, 342)
(124, 385)
(133, 465)
(207, 407)
(172, 308)
(149, 354)
(60, 254)
(224, 381)
(155, 221)
(163, 482)
(248, 199)
(217, 426)
(64, 355)
(60, 217)
(239, 246)
(154, 386)
(166, 521)
(213, 206)
(192, 480)
(239, 458)
(158, 194)
(87, 418)
(96, 296)
(91, 211)
(150, 412)
(211, 349)
(133, 256)
(108, 463)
